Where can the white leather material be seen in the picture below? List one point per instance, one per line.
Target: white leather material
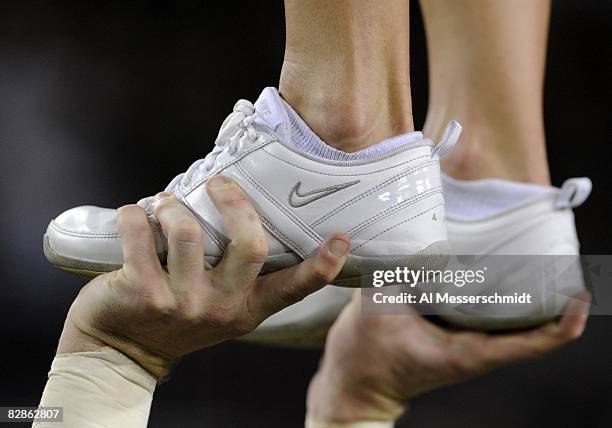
(414, 227)
(294, 168)
(268, 173)
(375, 190)
(384, 203)
(101, 243)
(402, 190)
(537, 227)
(89, 220)
(88, 231)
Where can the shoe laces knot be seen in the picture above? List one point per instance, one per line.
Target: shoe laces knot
(236, 129)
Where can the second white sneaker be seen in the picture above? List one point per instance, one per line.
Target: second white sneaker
(493, 220)
(388, 199)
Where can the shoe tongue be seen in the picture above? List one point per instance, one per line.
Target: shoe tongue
(271, 112)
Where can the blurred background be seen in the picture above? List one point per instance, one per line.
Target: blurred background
(104, 102)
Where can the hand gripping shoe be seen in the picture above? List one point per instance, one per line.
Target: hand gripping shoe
(390, 205)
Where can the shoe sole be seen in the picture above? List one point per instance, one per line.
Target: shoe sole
(355, 273)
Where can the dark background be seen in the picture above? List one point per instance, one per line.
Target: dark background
(104, 102)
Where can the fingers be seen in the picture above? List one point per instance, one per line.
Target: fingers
(139, 253)
(247, 251)
(520, 346)
(185, 240)
(280, 289)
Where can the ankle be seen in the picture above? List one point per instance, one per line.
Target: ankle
(487, 150)
(347, 116)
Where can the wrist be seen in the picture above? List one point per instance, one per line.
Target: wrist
(74, 339)
(332, 400)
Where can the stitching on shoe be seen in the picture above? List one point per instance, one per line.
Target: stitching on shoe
(397, 225)
(216, 237)
(83, 234)
(393, 209)
(367, 193)
(282, 237)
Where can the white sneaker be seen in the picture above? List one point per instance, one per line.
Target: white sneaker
(526, 235)
(541, 225)
(390, 204)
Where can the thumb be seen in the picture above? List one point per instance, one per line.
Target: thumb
(278, 290)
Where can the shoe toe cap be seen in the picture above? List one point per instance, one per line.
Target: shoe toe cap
(87, 234)
(87, 221)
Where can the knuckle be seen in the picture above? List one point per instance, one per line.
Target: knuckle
(323, 273)
(252, 250)
(324, 267)
(146, 275)
(128, 209)
(234, 197)
(129, 213)
(190, 312)
(159, 303)
(237, 203)
(188, 231)
(160, 205)
(221, 318)
(328, 259)
(163, 195)
(252, 216)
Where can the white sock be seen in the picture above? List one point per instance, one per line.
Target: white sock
(307, 141)
(478, 199)
(279, 115)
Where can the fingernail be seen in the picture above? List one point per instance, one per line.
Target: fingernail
(338, 247)
(218, 181)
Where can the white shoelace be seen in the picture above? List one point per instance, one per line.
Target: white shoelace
(236, 128)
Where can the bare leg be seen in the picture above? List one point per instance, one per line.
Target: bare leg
(487, 60)
(346, 69)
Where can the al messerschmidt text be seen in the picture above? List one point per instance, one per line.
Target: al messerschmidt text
(496, 298)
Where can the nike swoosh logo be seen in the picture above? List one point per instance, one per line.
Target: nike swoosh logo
(298, 199)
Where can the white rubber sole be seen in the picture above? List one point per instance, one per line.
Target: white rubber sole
(355, 273)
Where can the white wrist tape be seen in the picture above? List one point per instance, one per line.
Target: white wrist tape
(103, 388)
(310, 423)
